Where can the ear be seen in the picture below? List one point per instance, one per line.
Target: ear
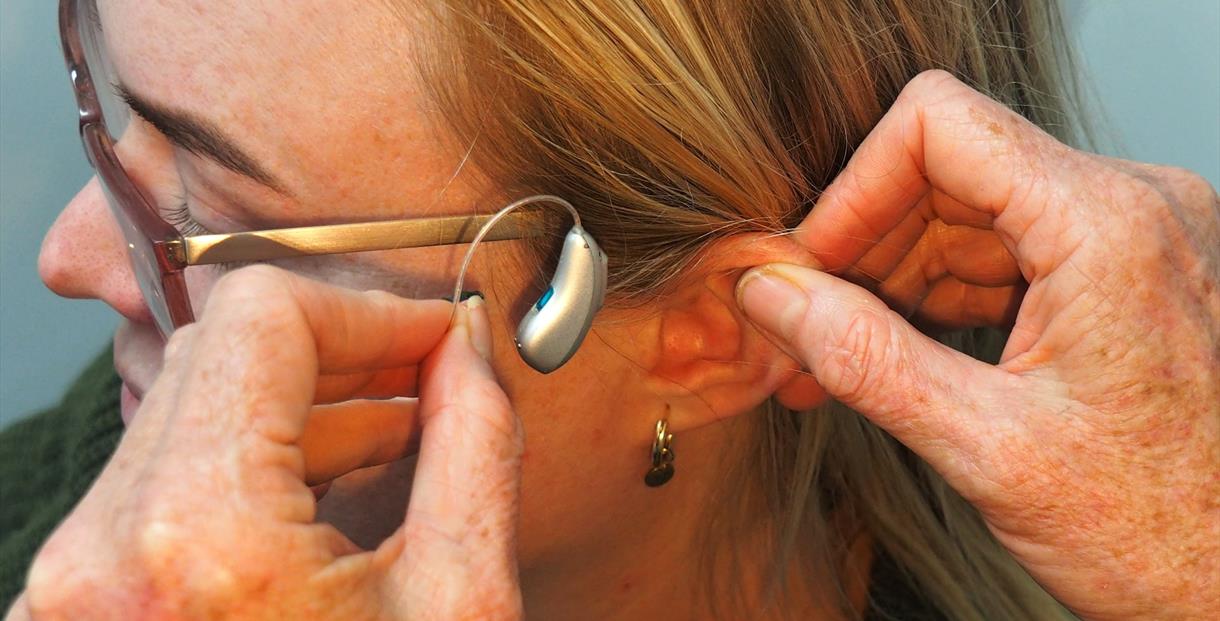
(710, 362)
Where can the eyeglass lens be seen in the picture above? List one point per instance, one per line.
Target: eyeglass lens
(116, 117)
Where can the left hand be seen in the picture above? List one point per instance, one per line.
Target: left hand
(1092, 450)
(204, 510)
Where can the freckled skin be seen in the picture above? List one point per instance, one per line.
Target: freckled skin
(204, 512)
(324, 95)
(1093, 448)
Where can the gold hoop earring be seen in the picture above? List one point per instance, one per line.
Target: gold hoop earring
(662, 457)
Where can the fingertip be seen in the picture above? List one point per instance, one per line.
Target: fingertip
(474, 325)
(775, 297)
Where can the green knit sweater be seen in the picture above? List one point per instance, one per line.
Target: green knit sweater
(49, 460)
(47, 463)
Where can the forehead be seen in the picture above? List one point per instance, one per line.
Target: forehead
(319, 90)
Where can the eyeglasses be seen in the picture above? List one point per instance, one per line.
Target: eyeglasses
(159, 252)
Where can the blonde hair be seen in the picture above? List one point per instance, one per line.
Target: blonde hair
(671, 124)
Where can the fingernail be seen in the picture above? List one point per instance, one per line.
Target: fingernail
(773, 298)
(478, 328)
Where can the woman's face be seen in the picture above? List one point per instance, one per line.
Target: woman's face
(324, 105)
(320, 139)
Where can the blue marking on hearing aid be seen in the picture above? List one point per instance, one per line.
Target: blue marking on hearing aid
(546, 297)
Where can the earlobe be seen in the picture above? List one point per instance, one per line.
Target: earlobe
(802, 392)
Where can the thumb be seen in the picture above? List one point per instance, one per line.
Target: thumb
(461, 524)
(937, 401)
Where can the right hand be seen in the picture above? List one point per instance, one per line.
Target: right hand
(204, 510)
(1092, 450)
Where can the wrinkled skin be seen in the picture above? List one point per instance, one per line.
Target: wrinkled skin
(1091, 452)
(1093, 448)
(250, 548)
(325, 97)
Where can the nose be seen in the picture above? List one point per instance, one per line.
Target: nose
(84, 255)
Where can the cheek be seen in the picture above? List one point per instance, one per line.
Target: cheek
(581, 478)
(199, 282)
(417, 273)
(585, 459)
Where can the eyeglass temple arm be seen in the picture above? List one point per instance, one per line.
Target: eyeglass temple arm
(343, 238)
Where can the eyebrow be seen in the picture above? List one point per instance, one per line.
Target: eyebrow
(200, 137)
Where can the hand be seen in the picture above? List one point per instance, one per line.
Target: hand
(204, 512)
(1092, 449)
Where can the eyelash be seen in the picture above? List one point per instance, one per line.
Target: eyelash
(179, 216)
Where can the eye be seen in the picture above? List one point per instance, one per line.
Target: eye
(179, 215)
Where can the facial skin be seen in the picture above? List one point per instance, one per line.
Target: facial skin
(325, 101)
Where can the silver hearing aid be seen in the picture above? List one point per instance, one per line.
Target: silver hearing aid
(555, 325)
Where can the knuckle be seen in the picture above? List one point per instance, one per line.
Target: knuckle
(855, 357)
(267, 280)
(1191, 189)
(931, 88)
(932, 81)
(1165, 211)
(180, 342)
(1165, 189)
(251, 275)
(72, 576)
(258, 296)
(381, 299)
(1186, 179)
(1135, 203)
(177, 567)
(51, 585)
(961, 108)
(381, 296)
(179, 559)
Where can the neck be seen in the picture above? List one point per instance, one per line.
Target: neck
(688, 551)
(689, 555)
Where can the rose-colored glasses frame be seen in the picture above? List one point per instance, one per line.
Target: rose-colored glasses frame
(175, 252)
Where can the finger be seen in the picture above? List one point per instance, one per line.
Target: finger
(934, 214)
(358, 434)
(248, 383)
(266, 335)
(362, 330)
(971, 255)
(880, 261)
(940, 136)
(379, 384)
(953, 304)
(966, 254)
(927, 395)
(943, 207)
(19, 611)
(464, 500)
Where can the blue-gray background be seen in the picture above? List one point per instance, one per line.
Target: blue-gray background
(1155, 67)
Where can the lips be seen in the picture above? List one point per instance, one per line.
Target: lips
(128, 403)
(138, 352)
